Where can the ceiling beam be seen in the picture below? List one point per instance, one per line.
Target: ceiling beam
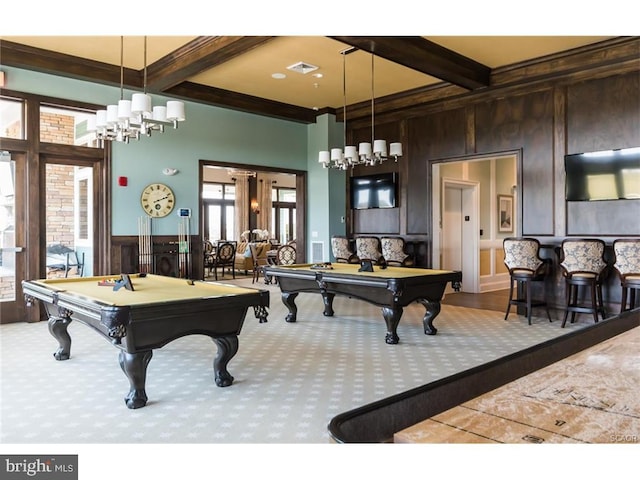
(47, 61)
(241, 102)
(427, 57)
(197, 56)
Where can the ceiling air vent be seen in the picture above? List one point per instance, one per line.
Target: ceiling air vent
(302, 67)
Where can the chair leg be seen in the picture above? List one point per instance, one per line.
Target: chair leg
(528, 300)
(510, 298)
(566, 312)
(595, 302)
(623, 299)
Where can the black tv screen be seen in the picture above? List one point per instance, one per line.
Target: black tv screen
(606, 175)
(374, 191)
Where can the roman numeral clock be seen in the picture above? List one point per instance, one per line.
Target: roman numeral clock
(157, 200)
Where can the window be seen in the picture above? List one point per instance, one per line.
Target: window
(65, 126)
(219, 211)
(12, 118)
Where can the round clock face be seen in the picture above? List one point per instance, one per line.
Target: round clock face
(157, 200)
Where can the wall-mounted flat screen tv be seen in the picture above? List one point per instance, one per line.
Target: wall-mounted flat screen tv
(374, 191)
(605, 175)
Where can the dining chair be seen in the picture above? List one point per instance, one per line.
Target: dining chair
(224, 258)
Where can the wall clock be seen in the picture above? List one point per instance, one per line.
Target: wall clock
(157, 200)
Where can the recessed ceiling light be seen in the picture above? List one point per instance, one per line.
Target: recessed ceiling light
(278, 76)
(317, 75)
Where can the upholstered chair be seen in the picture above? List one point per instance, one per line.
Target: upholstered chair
(393, 251)
(583, 267)
(369, 248)
(342, 251)
(627, 264)
(522, 259)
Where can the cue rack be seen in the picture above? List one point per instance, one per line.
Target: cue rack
(147, 253)
(145, 245)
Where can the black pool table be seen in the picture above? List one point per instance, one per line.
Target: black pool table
(391, 288)
(156, 311)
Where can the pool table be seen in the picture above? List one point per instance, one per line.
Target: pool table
(156, 311)
(392, 288)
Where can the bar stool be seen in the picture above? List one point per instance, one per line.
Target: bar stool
(627, 264)
(342, 251)
(522, 258)
(393, 251)
(583, 265)
(369, 248)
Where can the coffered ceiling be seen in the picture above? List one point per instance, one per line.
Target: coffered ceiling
(251, 73)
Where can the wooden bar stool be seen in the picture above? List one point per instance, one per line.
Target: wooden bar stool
(627, 264)
(522, 258)
(583, 266)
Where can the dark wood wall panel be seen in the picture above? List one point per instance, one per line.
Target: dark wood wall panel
(604, 114)
(378, 220)
(524, 122)
(440, 135)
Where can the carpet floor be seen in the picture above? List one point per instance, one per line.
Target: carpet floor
(291, 379)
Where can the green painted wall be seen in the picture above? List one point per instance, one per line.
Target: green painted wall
(326, 187)
(209, 133)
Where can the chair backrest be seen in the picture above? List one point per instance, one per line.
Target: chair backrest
(368, 248)
(521, 253)
(341, 249)
(286, 255)
(225, 252)
(393, 250)
(584, 255)
(627, 256)
(207, 247)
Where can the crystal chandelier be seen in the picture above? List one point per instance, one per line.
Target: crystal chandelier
(364, 154)
(133, 118)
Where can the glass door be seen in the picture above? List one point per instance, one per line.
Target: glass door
(69, 220)
(12, 235)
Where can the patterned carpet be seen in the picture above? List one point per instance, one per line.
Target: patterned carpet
(290, 378)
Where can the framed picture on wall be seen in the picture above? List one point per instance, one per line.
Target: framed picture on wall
(505, 213)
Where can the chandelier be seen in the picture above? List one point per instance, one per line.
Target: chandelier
(130, 119)
(365, 154)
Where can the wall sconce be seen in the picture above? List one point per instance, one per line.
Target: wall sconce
(255, 207)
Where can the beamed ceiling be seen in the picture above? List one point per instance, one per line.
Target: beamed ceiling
(236, 71)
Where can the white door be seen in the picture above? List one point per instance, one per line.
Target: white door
(459, 242)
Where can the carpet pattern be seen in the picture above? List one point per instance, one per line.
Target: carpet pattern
(291, 379)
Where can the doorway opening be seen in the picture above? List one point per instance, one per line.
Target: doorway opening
(469, 197)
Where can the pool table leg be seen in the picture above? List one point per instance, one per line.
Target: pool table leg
(58, 325)
(392, 319)
(227, 348)
(433, 309)
(327, 299)
(289, 300)
(134, 366)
